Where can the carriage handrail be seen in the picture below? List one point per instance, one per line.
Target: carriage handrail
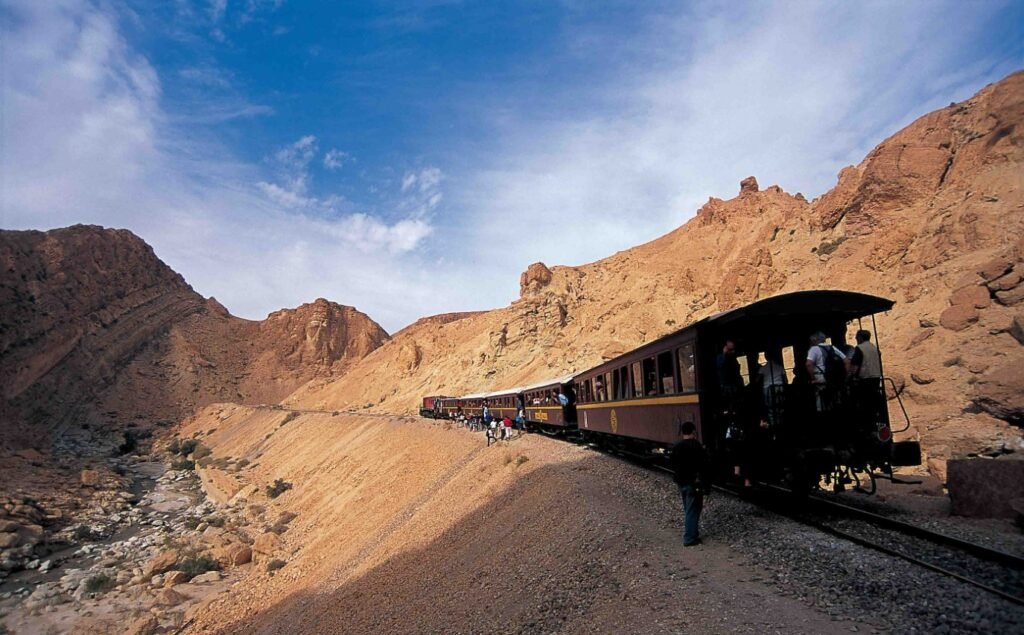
(899, 400)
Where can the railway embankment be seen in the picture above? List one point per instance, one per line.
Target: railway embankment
(409, 525)
(322, 523)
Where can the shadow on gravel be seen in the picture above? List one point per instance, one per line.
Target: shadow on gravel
(526, 562)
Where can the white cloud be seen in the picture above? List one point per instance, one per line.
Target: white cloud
(334, 159)
(217, 9)
(787, 92)
(85, 141)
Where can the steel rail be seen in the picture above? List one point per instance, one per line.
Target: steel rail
(910, 529)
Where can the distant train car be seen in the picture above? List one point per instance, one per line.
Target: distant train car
(432, 406)
(545, 410)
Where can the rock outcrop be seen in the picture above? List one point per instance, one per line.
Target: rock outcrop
(95, 329)
(932, 218)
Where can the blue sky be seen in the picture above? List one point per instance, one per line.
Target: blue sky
(411, 158)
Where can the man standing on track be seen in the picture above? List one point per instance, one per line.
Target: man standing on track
(689, 466)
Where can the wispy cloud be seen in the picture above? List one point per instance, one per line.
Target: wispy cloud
(682, 109)
(334, 159)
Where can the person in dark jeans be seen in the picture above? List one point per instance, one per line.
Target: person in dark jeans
(689, 467)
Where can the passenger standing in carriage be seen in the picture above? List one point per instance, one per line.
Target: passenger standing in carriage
(826, 366)
(866, 362)
(773, 382)
(728, 367)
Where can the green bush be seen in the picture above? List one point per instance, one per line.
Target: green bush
(99, 583)
(197, 565)
(279, 488)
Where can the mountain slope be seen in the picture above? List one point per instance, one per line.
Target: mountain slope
(933, 217)
(96, 330)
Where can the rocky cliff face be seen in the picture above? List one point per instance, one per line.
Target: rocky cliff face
(933, 218)
(95, 329)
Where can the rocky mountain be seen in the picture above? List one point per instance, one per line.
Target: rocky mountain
(933, 217)
(95, 329)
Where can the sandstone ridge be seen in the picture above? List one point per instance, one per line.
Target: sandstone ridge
(97, 330)
(932, 217)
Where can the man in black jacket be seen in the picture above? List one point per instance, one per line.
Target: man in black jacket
(689, 465)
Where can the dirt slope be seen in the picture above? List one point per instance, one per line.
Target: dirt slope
(95, 329)
(933, 218)
(407, 527)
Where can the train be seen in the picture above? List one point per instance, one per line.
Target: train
(790, 432)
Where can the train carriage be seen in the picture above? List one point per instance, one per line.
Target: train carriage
(798, 432)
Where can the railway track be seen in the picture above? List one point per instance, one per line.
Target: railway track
(992, 570)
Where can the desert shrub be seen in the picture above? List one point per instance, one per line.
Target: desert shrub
(201, 452)
(183, 448)
(274, 565)
(278, 528)
(183, 464)
(85, 532)
(99, 583)
(279, 487)
(197, 565)
(522, 458)
(215, 521)
(287, 517)
(243, 463)
(191, 522)
(291, 416)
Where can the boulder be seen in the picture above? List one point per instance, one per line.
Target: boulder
(921, 378)
(1016, 328)
(9, 540)
(748, 186)
(971, 295)
(995, 268)
(958, 317)
(233, 555)
(1011, 296)
(209, 576)
(169, 597)
(984, 488)
(162, 563)
(146, 625)
(89, 478)
(265, 545)
(1001, 392)
(175, 577)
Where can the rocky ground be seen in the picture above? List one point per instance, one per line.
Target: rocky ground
(142, 556)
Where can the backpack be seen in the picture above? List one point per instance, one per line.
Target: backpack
(835, 367)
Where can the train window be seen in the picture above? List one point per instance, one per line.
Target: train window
(638, 380)
(687, 368)
(650, 377)
(608, 384)
(599, 393)
(627, 383)
(666, 374)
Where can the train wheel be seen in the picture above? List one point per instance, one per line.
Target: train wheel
(866, 484)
